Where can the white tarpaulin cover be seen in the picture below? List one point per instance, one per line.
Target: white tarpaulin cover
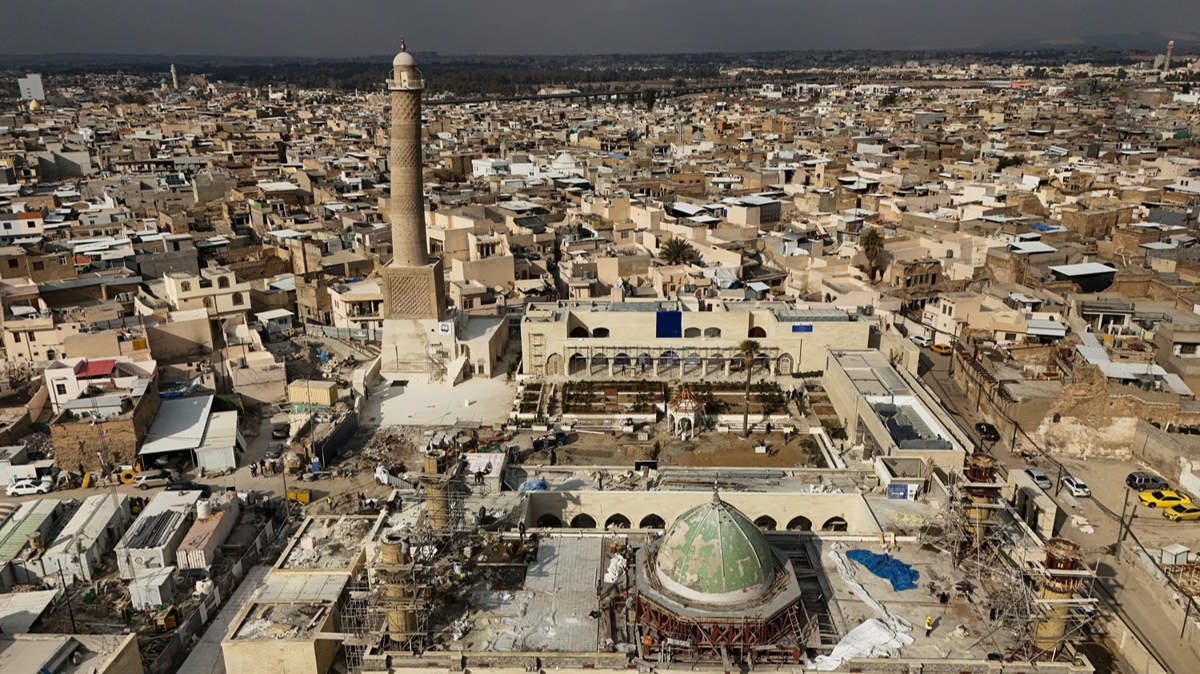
(872, 639)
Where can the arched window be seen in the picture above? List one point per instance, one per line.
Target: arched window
(652, 522)
(578, 332)
(757, 333)
(222, 281)
(712, 332)
(834, 524)
(583, 522)
(600, 333)
(691, 332)
(766, 523)
(800, 523)
(185, 287)
(237, 299)
(548, 521)
(208, 302)
(617, 521)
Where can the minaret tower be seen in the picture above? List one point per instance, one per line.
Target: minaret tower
(1170, 49)
(413, 287)
(174, 77)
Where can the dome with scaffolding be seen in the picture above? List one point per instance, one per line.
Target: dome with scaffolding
(715, 554)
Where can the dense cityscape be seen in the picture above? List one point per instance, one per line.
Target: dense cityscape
(851, 361)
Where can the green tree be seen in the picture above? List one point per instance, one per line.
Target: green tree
(677, 251)
(871, 243)
(749, 349)
(888, 101)
(649, 96)
(1015, 160)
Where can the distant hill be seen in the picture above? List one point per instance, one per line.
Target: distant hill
(1151, 42)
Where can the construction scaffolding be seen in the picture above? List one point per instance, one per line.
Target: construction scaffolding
(390, 603)
(1040, 596)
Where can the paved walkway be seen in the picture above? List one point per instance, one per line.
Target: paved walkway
(205, 657)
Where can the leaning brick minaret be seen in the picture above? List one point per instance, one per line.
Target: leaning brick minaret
(413, 286)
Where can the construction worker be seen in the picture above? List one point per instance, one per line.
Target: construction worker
(928, 625)
(329, 502)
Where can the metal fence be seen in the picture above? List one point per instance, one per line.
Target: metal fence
(368, 335)
(194, 622)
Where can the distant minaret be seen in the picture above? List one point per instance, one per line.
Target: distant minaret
(174, 78)
(1167, 63)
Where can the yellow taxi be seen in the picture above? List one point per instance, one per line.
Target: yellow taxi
(1163, 498)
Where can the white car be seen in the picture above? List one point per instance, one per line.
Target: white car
(152, 478)
(922, 340)
(1039, 478)
(1076, 486)
(28, 486)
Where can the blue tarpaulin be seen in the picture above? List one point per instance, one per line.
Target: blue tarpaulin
(901, 575)
(539, 484)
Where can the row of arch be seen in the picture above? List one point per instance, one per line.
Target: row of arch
(667, 360)
(652, 521)
(580, 332)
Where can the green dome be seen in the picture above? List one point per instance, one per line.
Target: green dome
(714, 553)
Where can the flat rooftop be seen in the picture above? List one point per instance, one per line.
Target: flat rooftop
(330, 543)
(299, 620)
(550, 614)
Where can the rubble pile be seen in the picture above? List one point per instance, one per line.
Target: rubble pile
(387, 447)
(38, 444)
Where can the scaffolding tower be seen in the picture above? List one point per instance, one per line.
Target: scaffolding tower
(1041, 596)
(390, 603)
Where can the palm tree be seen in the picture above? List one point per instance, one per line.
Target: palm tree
(749, 349)
(871, 243)
(676, 251)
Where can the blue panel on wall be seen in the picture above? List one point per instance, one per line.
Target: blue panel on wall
(802, 327)
(670, 324)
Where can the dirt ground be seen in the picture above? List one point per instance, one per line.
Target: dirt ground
(708, 450)
(732, 450)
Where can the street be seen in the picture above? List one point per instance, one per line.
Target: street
(1091, 522)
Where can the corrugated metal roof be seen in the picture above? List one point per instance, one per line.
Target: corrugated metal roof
(1083, 269)
(18, 537)
(97, 368)
(179, 425)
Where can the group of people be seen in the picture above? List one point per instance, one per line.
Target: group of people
(264, 467)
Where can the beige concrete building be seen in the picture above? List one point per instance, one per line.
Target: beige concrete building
(676, 339)
(216, 289)
(887, 414)
(357, 306)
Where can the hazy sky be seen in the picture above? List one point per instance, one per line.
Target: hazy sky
(369, 27)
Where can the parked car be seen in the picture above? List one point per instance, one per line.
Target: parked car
(152, 478)
(188, 485)
(987, 432)
(276, 450)
(280, 431)
(1142, 481)
(942, 349)
(1076, 486)
(28, 486)
(922, 340)
(1163, 498)
(1179, 512)
(1039, 478)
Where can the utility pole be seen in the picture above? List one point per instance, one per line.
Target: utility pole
(63, 585)
(1121, 526)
